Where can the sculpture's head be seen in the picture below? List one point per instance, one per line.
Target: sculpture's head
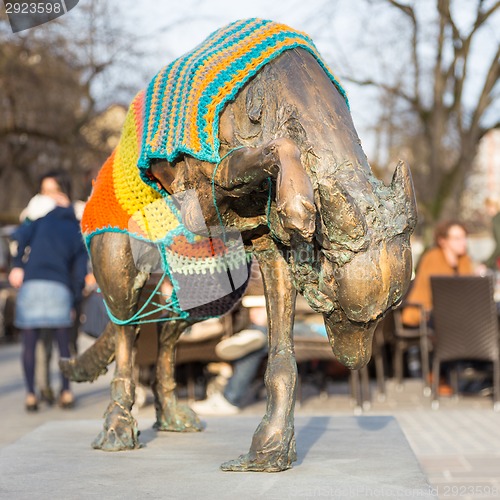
(364, 264)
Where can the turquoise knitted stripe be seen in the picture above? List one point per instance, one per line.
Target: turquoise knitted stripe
(228, 37)
(181, 86)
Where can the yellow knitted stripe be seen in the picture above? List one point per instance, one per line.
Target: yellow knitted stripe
(145, 205)
(155, 219)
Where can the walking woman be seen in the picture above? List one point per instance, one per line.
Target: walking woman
(49, 268)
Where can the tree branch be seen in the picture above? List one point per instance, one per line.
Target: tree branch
(392, 90)
(485, 97)
(482, 17)
(406, 9)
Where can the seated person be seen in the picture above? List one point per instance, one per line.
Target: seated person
(245, 350)
(447, 258)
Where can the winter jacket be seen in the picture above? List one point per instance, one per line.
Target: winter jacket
(51, 248)
(432, 263)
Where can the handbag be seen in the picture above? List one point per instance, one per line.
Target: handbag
(94, 316)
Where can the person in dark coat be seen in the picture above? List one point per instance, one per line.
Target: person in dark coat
(50, 265)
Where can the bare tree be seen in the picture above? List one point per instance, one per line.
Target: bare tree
(440, 90)
(55, 80)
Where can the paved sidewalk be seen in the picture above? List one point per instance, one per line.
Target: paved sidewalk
(458, 446)
(183, 466)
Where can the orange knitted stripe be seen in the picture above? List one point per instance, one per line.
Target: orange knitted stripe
(138, 105)
(102, 209)
(202, 249)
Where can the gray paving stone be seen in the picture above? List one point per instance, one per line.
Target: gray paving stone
(463, 430)
(448, 463)
(338, 457)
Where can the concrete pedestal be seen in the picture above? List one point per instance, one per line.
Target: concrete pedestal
(338, 457)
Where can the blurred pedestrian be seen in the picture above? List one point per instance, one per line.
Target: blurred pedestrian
(245, 350)
(50, 265)
(39, 206)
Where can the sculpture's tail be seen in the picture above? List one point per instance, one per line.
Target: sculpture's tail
(94, 361)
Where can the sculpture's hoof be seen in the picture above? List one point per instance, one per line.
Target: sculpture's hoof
(71, 370)
(119, 433)
(182, 419)
(116, 440)
(255, 463)
(279, 455)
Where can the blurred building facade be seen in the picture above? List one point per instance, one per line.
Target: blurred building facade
(484, 180)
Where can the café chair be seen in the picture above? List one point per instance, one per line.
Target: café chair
(404, 338)
(466, 325)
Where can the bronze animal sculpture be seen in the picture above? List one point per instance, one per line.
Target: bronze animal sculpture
(301, 193)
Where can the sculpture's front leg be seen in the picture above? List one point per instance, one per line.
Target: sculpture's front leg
(273, 444)
(170, 414)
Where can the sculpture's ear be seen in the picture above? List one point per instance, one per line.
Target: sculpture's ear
(163, 172)
(404, 193)
(255, 101)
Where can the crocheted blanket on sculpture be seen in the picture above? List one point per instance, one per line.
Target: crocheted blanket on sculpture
(177, 115)
(184, 100)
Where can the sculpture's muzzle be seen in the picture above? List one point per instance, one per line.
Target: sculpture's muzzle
(365, 288)
(351, 342)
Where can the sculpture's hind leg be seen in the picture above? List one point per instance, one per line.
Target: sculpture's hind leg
(170, 414)
(273, 444)
(121, 283)
(120, 427)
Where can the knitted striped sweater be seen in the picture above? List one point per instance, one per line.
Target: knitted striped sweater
(208, 275)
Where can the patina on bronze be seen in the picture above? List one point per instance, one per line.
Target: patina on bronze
(340, 238)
